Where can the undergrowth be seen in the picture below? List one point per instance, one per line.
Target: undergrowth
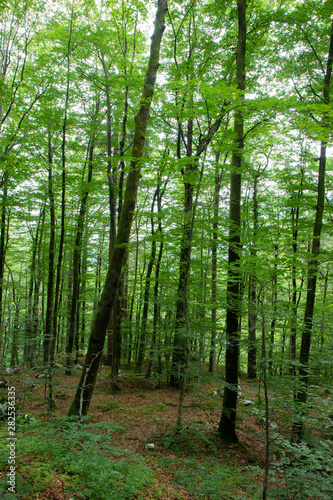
(83, 457)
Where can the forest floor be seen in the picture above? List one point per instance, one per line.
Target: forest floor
(126, 449)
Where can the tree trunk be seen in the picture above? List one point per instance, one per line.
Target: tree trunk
(212, 352)
(301, 395)
(63, 193)
(156, 313)
(293, 328)
(50, 282)
(274, 312)
(227, 426)
(4, 185)
(77, 257)
(86, 385)
(252, 315)
(143, 333)
(30, 339)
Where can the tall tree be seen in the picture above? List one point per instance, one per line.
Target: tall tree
(85, 388)
(73, 320)
(227, 426)
(313, 268)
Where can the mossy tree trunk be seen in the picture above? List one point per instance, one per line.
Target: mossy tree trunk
(80, 404)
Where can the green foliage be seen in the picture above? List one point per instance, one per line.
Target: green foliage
(97, 469)
(212, 480)
(306, 470)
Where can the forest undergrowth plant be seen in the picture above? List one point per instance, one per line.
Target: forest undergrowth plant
(304, 471)
(97, 468)
(213, 480)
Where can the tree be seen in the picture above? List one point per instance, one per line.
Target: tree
(84, 391)
(227, 426)
(301, 395)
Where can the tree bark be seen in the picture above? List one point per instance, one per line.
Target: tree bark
(227, 426)
(86, 385)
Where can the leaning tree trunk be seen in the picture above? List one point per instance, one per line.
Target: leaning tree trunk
(301, 395)
(227, 426)
(80, 404)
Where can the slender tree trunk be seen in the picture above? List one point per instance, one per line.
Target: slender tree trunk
(14, 361)
(217, 187)
(322, 322)
(227, 426)
(264, 379)
(83, 295)
(35, 309)
(77, 257)
(274, 312)
(50, 283)
(201, 308)
(180, 347)
(293, 328)
(57, 298)
(131, 311)
(252, 316)
(4, 185)
(114, 334)
(144, 318)
(35, 259)
(48, 332)
(86, 385)
(156, 312)
(304, 374)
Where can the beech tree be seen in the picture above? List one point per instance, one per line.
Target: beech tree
(301, 395)
(82, 398)
(227, 424)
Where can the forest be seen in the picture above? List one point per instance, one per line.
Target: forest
(166, 238)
